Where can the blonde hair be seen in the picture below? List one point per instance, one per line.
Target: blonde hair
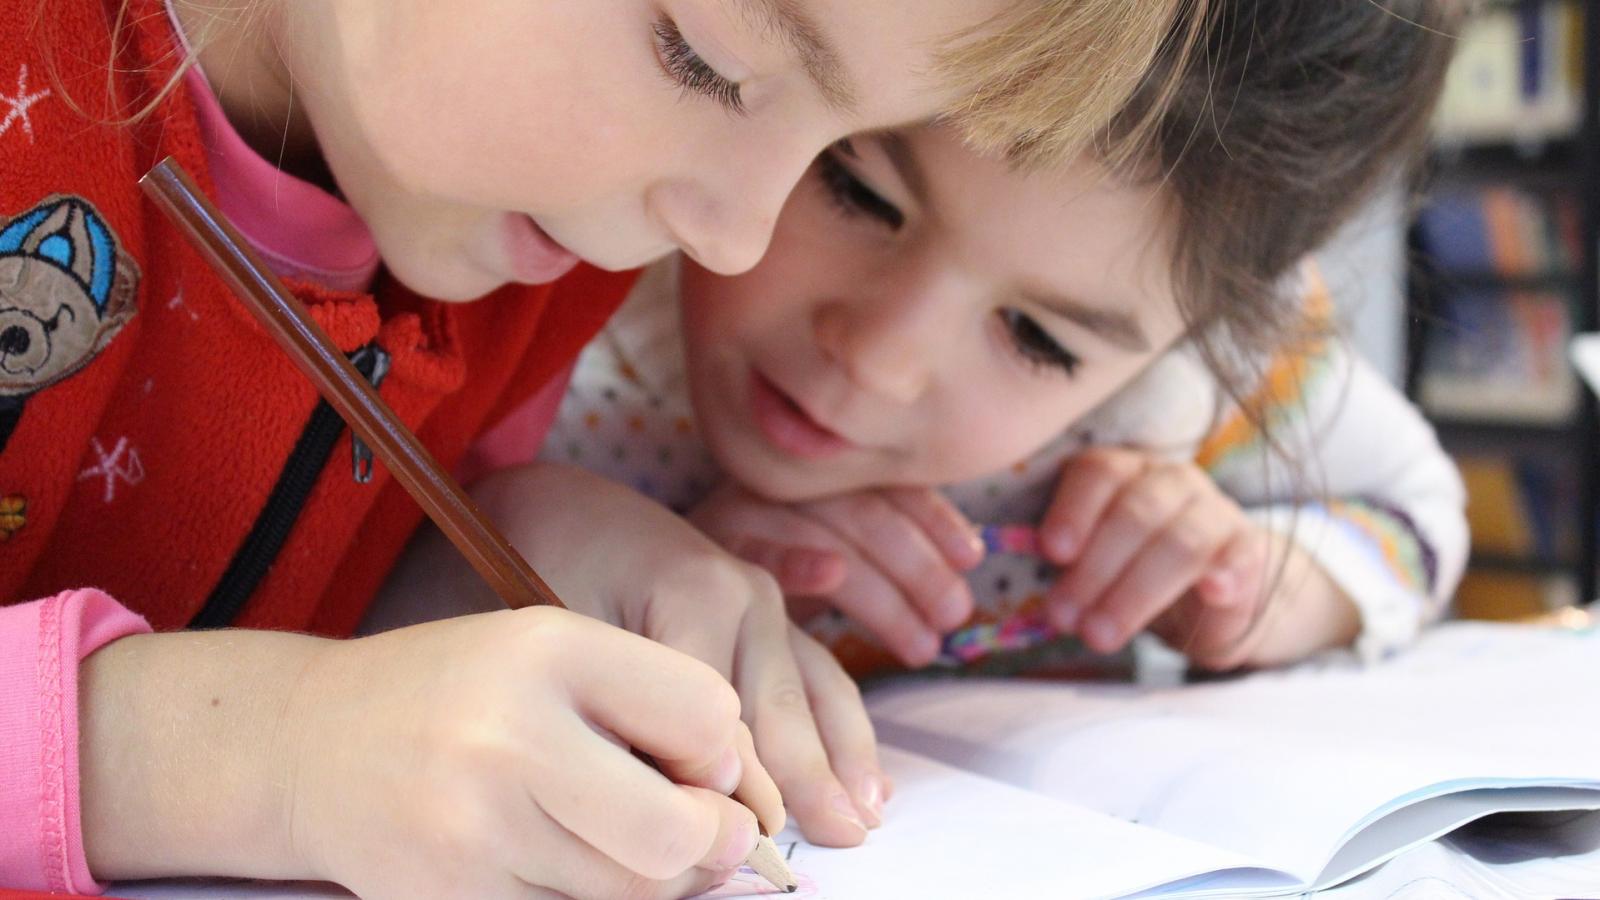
(1043, 83)
(1039, 85)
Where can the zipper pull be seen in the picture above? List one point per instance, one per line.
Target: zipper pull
(372, 361)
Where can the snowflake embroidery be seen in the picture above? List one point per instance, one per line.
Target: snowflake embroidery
(177, 303)
(20, 104)
(121, 464)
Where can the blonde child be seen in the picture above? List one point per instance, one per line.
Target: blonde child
(929, 317)
(161, 466)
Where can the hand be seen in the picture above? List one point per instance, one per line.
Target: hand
(483, 756)
(891, 559)
(1146, 543)
(616, 555)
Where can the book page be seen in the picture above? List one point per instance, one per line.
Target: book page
(952, 834)
(1278, 767)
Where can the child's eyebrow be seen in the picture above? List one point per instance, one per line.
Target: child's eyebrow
(1119, 328)
(796, 27)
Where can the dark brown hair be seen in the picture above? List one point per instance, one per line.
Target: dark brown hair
(1288, 118)
(1286, 121)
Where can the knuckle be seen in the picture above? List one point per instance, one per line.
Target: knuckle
(671, 851)
(722, 707)
(1141, 507)
(716, 580)
(788, 696)
(1188, 540)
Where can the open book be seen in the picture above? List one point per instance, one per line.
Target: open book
(1272, 785)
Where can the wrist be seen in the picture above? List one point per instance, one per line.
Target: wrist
(188, 752)
(1308, 612)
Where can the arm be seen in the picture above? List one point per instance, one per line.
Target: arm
(486, 755)
(1375, 501)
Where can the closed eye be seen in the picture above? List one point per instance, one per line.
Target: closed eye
(689, 71)
(1035, 345)
(852, 195)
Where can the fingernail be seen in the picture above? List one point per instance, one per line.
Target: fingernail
(1061, 543)
(870, 797)
(924, 648)
(1100, 632)
(845, 808)
(954, 607)
(730, 770)
(971, 549)
(739, 847)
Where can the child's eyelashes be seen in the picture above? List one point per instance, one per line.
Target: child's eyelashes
(852, 196)
(1035, 344)
(685, 67)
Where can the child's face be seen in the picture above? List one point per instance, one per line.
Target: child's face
(925, 316)
(493, 141)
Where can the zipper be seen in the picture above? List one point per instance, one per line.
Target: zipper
(311, 453)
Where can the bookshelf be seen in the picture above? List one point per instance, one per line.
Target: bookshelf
(1506, 251)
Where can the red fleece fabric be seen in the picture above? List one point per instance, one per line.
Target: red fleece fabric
(142, 472)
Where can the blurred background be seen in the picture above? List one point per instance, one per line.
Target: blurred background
(1469, 288)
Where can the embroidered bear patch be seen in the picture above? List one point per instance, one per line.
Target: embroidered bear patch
(66, 290)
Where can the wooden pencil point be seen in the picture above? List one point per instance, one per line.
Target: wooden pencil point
(768, 863)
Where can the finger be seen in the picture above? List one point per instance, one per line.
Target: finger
(1137, 512)
(632, 813)
(877, 605)
(847, 732)
(799, 570)
(944, 524)
(697, 608)
(1161, 572)
(886, 538)
(547, 860)
(757, 790)
(1088, 484)
(786, 733)
(677, 709)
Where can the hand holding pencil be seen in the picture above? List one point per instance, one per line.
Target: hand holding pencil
(654, 700)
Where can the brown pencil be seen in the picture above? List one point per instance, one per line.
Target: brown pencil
(358, 403)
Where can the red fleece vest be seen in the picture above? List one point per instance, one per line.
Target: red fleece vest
(146, 420)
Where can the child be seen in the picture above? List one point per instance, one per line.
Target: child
(154, 444)
(929, 317)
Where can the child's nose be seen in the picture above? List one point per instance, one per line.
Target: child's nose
(886, 348)
(724, 219)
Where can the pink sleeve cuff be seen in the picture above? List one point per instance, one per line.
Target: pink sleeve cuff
(41, 644)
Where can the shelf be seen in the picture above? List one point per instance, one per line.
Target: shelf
(1463, 433)
(1525, 565)
(1555, 162)
(1555, 282)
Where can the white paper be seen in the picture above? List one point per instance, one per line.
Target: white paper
(953, 834)
(1282, 767)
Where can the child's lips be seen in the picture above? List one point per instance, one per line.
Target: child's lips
(788, 427)
(534, 256)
